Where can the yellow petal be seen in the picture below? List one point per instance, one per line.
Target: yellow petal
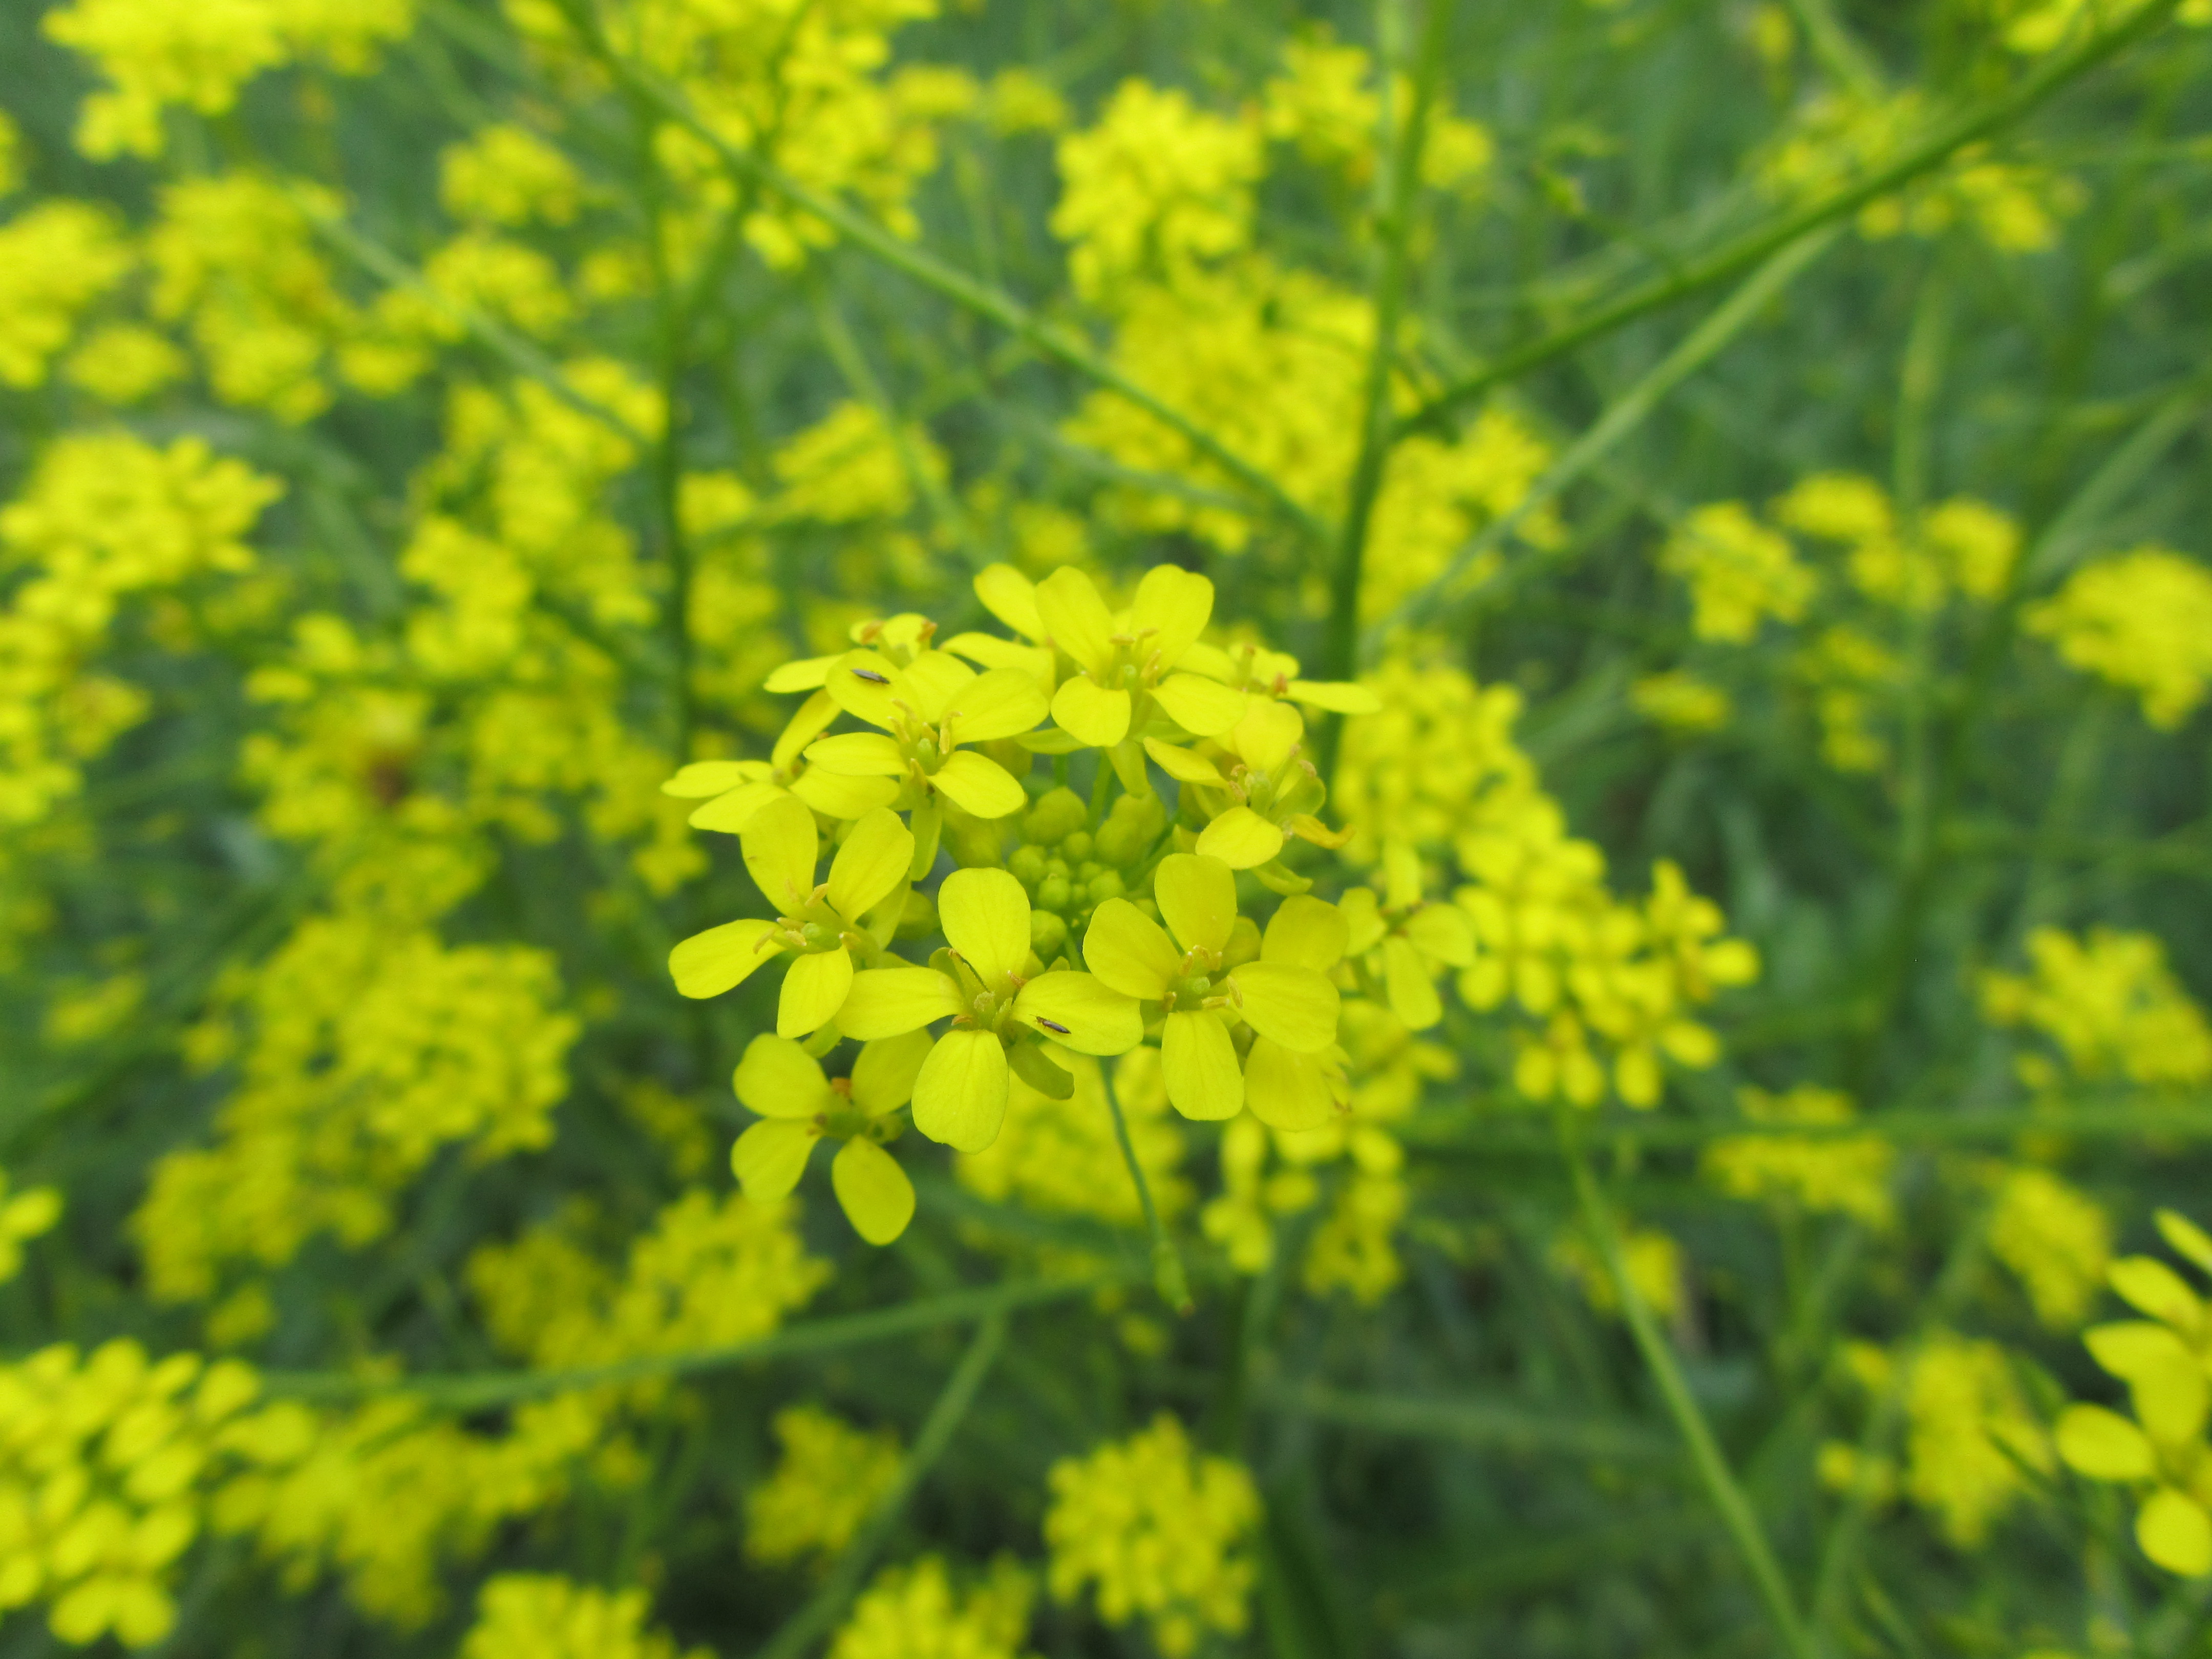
(732, 812)
(938, 681)
(873, 861)
(1129, 950)
(1362, 921)
(779, 845)
(1442, 931)
(1203, 707)
(858, 754)
(1306, 933)
(1200, 1063)
(2175, 1533)
(770, 1157)
(1172, 607)
(1081, 1010)
(1076, 619)
(876, 1197)
(1401, 876)
(804, 675)
(2150, 1286)
(1268, 734)
(1182, 764)
(889, 1002)
(989, 651)
(1405, 979)
(813, 718)
(707, 964)
(1003, 704)
(813, 991)
(870, 686)
(1197, 899)
(1335, 696)
(703, 778)
(1296, 1006)
(1286, 1090)
(2184, 1234)
(1100, 718)
(1306, 827)
(778, 1078)
(979, 785)
(2104, 1445)
(882, 1077)
(1240, 839)
(1012, 598)
(985, 915)
(844, 798)
(960, 1098)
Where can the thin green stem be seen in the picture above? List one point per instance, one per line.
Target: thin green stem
(1942, 142)
(1402, 138)
(481, 1391)
(1721, 1487)
(1839, 54)
(1626, 413)
(1167, 1275)
(823, 1609)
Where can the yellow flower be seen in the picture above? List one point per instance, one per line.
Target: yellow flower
(1271, 792)
(734, 790)
(1406, 939)
(785, 1084)
(1125, 662)
(1281, 996)
(819, 926)
(2163, 1360)
(1000, 1012)
(924, 713)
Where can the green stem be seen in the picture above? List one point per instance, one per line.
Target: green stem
(1402, 139)
(1841, 55)
(1728, 1498)
(1942, 142)
(1626, 413)
(1167, 1275)
(823, 1609)
(481, 1391)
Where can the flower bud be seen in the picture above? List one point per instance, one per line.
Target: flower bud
(1055, 818)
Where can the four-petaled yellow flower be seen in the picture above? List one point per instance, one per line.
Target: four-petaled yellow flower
(998, 1012)
(1126, 662)
(924, 713)
(1270, 793)
(1406, 939)
(732, 791)
(819, 927)
(798, 1106)
(1278, 996)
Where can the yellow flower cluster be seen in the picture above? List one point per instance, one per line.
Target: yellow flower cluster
(2013, 206)
(57, 260)
(710, 1272)
(360, 1051)
(23, 1218)
(536, 1616)
(2162, 1455)
(1849, 638)
(1842, 1175)
(828, 1480)
(1972, 1445)
(801, 87)
(101, 1458)
(2055, 1239)
(1438, 769)
(1653, 1258)
(155, 55)
(2109, 1004)
(105, 518)
(918, 1613)
(1160, 1531)
(2139, 621)
(2032, 27)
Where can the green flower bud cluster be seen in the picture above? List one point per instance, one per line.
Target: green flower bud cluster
(1067, 869)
